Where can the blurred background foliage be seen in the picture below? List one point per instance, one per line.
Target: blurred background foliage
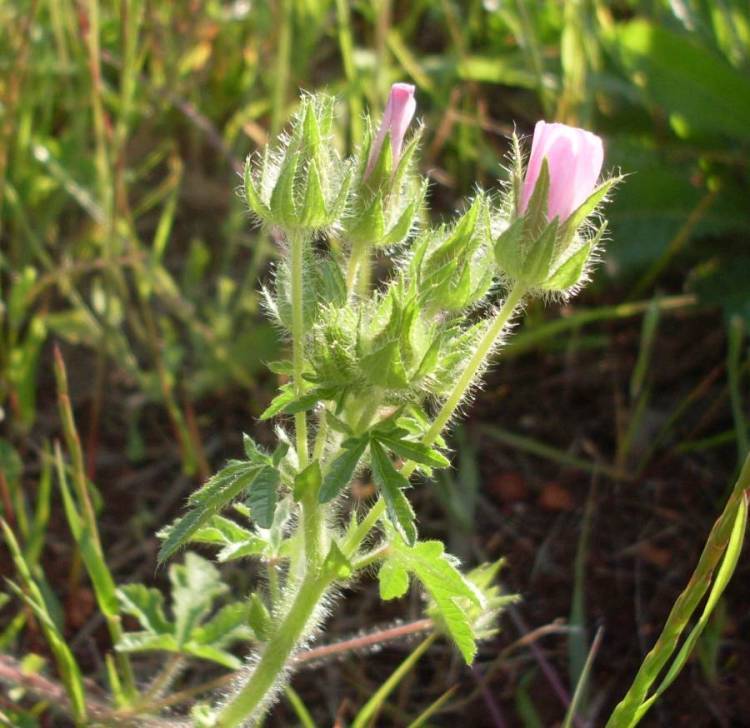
(123, 128)
(124, 125)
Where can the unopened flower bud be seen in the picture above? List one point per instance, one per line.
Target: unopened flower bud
(547, 244)
(399, 111)
(574, 159)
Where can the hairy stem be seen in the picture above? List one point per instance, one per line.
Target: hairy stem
(485, 347)
(298, 335)
(358, 270)
(249, 702)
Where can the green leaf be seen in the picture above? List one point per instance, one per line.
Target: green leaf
(284, 367)
(213, 488)
(32, 596)
(451, 593)
(410, 450)
(146, 605)
(214, 654)
(288, 403)
(146, 641)
(182, 530)
(391, 484)
(283, 203)
(90, 550)
(380, 175)
(384, 366)
(393, 579)
(228, 625)
(341, 470)
(252, 195)
(336, 563)
(509, 249)
(179, 532)
(314, 205)
(263, 494)
(535, 217)
(687, 80)
(725, 572)
(252, 452)
(370, 226)
(310, 129)
(285, 396)
(222, 530)
(406, 158)
(585, 209)
(254, 546)
(570, 272)
(402, 227)
(195, 586)
(336, 424)
(279, 453)
(307, 482)
(536, 265)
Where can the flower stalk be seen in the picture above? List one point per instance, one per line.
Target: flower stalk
(298, 334)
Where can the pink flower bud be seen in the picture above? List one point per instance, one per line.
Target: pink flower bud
(398, 114)
(574, 158)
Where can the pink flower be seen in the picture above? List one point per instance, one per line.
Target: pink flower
(574, 157)
(398, 114)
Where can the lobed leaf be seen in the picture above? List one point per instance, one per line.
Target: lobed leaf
(391, 484)
(146, 605)
(341, 470)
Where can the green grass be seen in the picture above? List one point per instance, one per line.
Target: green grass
(123, 125)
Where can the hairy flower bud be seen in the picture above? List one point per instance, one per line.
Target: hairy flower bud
(574, 158)
(302, 185)
(399, 111)
(547, 242)
(386, 196)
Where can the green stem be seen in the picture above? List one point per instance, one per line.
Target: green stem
(248, 703)
(358, 269)
(312, 523)
(320, 437)
(377, 554)
(366, 525)
(281, 75)
(298, 334)
(475, 363)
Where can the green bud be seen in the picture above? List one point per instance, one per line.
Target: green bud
(303, 185)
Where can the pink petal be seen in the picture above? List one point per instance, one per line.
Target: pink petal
(574, 157)
(399, 111)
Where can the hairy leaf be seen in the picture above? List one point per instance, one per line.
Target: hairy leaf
(410, 450)
(263, 494)
(341, 470)
(391, 484)
(452, 594)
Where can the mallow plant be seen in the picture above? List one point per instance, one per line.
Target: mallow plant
(378, 368)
